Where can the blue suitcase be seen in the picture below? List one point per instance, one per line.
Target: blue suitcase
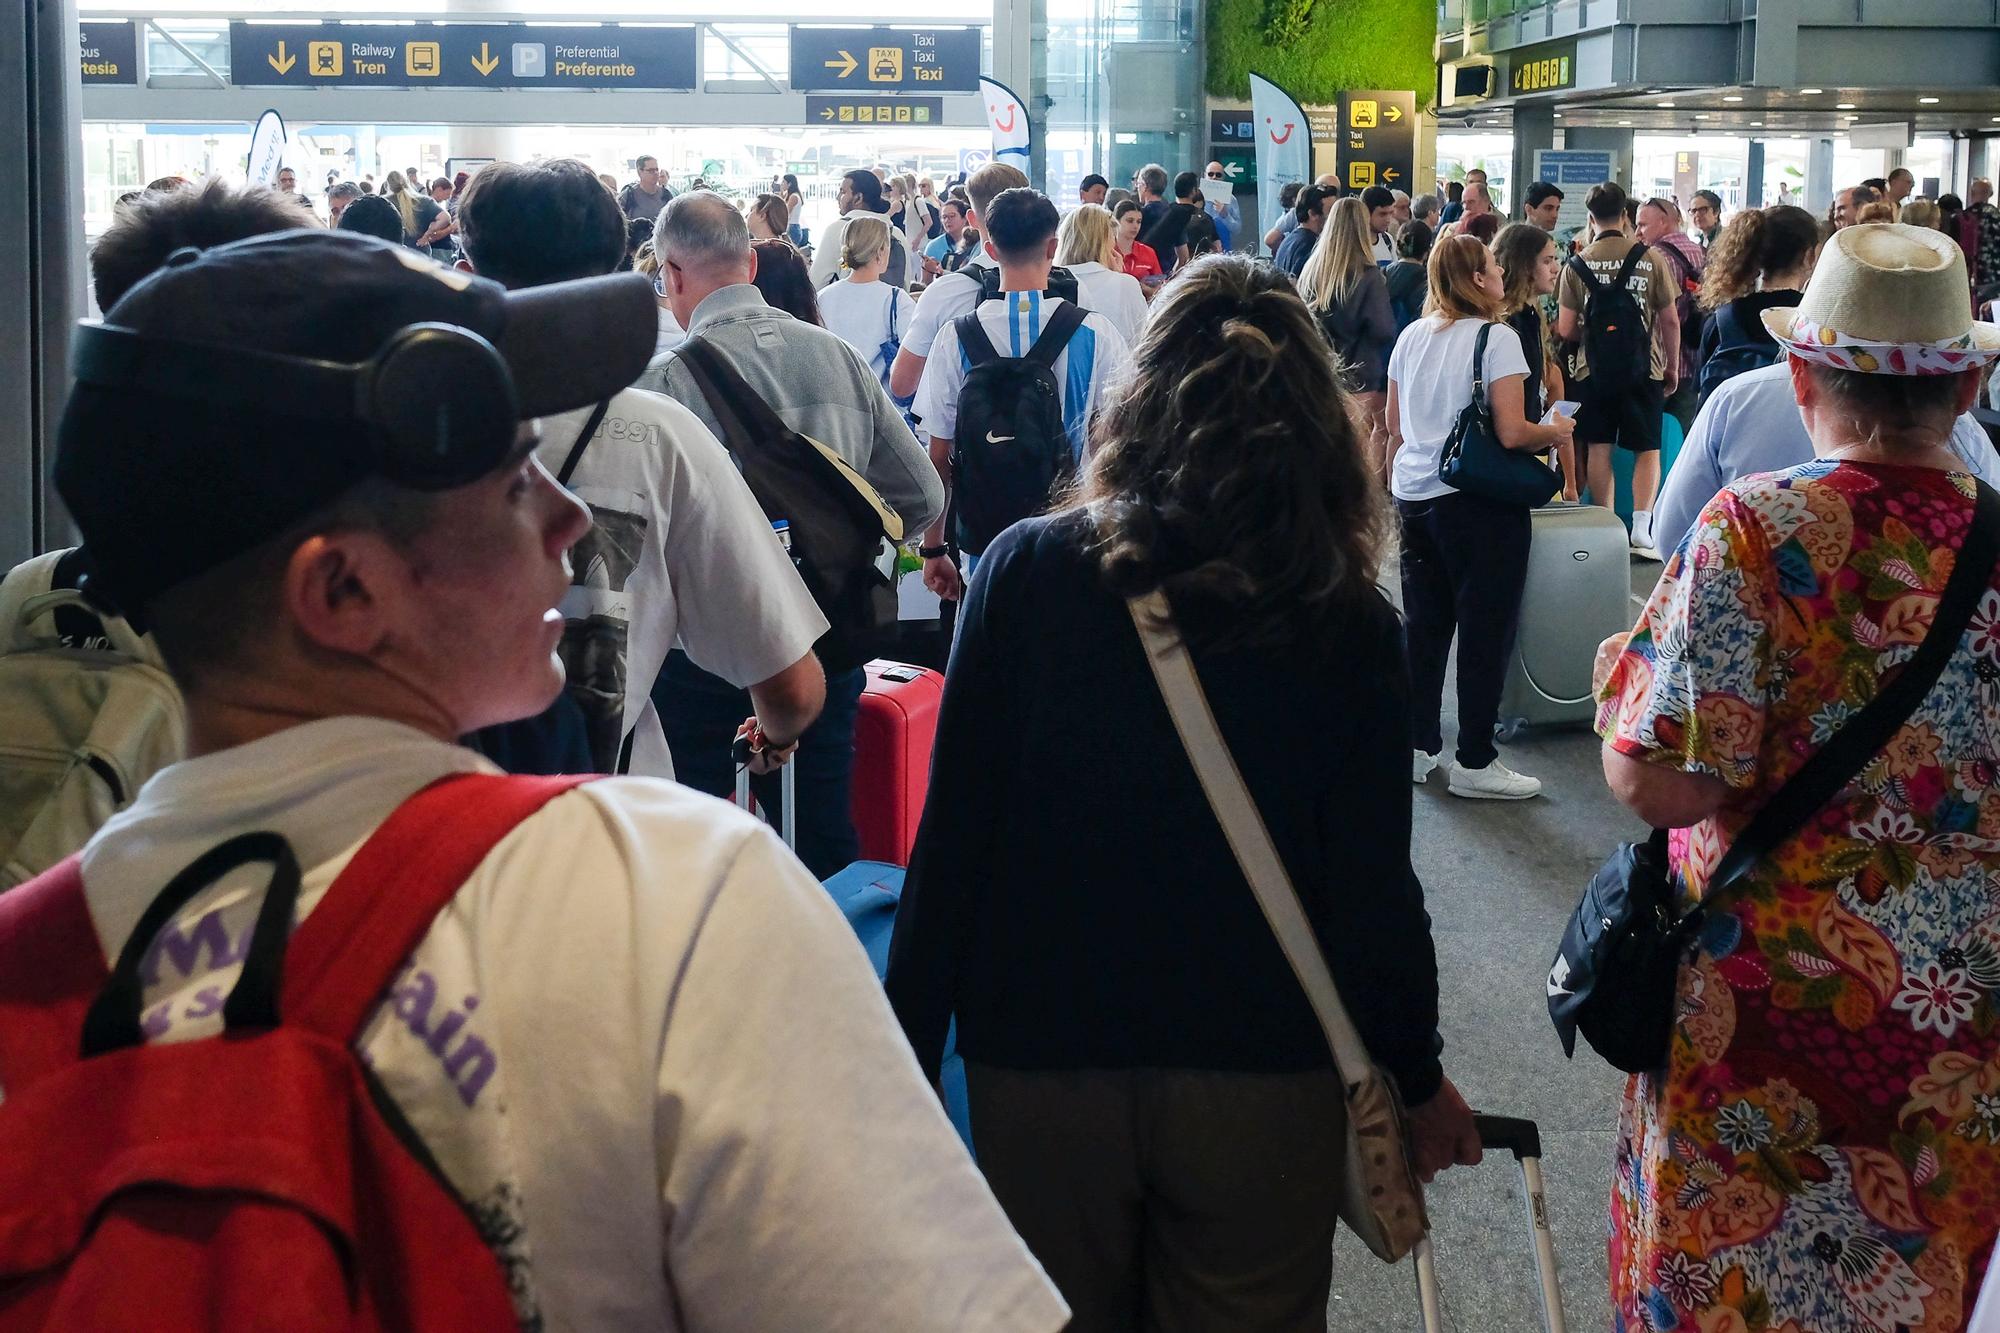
(867, 894)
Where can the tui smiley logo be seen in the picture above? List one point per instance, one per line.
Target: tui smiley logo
(1005, 126)
(1277, 137)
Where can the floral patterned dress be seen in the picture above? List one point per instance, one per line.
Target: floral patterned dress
(1822, 1152)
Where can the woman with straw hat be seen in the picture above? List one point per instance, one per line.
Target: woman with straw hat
(1821, 1151)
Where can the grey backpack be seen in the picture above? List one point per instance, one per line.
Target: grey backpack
(87, 714)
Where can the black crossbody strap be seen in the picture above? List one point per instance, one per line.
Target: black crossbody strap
(1863, 736)
(1479, 366)
(583, 439)
(731, 395)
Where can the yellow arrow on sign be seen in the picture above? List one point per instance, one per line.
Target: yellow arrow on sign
(1392, 174)
(485, 62)
(1394, 113)
(847, 64)
(282, 62)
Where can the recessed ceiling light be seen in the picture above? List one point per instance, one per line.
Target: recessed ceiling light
(1667, 105)
(1701, 115)
(1624, 122)
(1843, 106)
(1732, 99)
(1996, 119)
(1928, 101)
(1812, 92)
(1756, 124)
(1656, 91)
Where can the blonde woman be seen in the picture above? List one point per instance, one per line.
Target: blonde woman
(1921, 213)
(424, 223)
(1344, 288)
(920, 215)
(868, 314)
(1464, 557)
(1087, 245)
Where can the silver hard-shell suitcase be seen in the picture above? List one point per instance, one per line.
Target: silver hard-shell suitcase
(1524, 1140)
(1579, 592)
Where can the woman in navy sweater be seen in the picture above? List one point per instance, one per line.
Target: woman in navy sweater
(1152, 1099)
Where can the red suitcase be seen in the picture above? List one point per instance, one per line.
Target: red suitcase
(892, 757)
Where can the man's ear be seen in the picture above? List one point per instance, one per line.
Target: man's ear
(992, 251)
(334, 586)
(751, 276)
(1049, 251)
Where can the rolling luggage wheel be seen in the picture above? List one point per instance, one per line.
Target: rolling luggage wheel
(1524, 1140)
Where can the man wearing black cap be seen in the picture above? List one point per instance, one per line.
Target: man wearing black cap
(308, 461)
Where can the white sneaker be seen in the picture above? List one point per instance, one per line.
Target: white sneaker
(1642, 535)
(1495, 782)
(1422, 765)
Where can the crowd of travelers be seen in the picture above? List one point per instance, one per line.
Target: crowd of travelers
(511, 529)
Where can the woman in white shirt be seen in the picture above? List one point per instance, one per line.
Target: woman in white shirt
(1465, 557)
(1087, 245)
(868, 314)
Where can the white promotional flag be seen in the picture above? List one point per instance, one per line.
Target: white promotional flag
(1284, 146)
(1007, 117)
(267, 149)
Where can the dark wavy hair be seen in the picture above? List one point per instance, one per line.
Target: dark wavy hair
(1230, 472)
(785, 281)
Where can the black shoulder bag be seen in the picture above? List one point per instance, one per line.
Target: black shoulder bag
(1615, 974)
(1476, 462)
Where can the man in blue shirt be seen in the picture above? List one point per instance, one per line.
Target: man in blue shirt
(1296, 248)
(1750, 424)
(1219, 198)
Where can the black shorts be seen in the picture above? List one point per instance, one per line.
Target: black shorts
(1629, 418)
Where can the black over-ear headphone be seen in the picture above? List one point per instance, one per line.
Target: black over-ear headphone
(437, 400)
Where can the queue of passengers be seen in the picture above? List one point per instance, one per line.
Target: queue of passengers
(751, 1137)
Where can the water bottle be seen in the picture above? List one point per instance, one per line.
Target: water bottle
(783, 527)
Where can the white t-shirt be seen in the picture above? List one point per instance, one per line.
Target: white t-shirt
(1095, 360)
(1432, 371)
(641, 1043)
(865, 315)
(1384, 250)
(679, 549)
(1116, 296)
(952, 295)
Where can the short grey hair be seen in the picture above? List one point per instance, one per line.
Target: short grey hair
(702, 231)
(1423, 206)
(1155, 177)
(343, 190)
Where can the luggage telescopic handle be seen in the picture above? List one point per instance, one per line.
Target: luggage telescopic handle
(1520, 1137)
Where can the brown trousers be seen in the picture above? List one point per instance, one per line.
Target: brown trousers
(1169, 1200)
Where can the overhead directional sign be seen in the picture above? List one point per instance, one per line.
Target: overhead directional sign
(1548, 68)
(880, 60)
(874, 111)
(1239, 165)
(1227, 128)
(110, 51)
(1378, 138)
(484, 55)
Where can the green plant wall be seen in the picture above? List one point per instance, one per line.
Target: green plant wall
(1317, 49)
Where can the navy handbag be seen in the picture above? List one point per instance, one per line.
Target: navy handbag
(1475, 461)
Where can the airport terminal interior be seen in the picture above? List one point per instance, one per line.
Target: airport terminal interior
(1700, 113)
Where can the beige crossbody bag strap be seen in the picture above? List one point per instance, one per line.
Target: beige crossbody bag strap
(1381, 1198)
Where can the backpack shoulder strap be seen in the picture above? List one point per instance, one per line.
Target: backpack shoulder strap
(1582, 270)
(1631, 264)
(583, 439)
(347, 949)
(972, 337)
(51, 967)
(1055, 335)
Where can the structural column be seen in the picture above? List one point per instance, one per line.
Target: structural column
(1534, 128)
(1819, 174)
(1753, 176)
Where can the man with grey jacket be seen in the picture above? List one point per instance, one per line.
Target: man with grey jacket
(820, 387)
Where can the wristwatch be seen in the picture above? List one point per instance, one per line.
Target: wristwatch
(932, 552)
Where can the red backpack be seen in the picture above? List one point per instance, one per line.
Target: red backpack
(251, 1180)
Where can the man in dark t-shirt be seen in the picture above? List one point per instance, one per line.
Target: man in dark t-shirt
(1164, 225)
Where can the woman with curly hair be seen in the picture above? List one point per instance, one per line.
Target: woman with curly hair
(1152, 1099)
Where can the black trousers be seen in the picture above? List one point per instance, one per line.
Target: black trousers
(1465, 563)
